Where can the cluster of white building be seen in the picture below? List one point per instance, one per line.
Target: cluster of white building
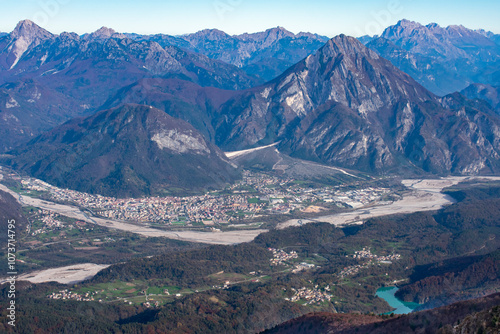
(312, 296)
(367, 254)
(49, 220)
(302, 267)
(280, 256)
(70, 295)
(372, 260)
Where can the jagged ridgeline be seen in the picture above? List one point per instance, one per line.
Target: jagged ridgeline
(47, 79)
(442, 59)
(343, 105)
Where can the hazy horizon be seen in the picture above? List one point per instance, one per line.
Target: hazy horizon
(237, 16)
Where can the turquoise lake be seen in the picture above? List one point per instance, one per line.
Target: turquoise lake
(401, 307)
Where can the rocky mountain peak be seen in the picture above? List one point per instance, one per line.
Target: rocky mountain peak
(485, 33)
(310, 35)
(269, 36)
(69, 36)
(457, 28)
(360, 78)
(462, 36)
(360, 90)
(102, 33)
(25, 35)
(274, 34)
(343, 75)
(404, 28)
(29, 31)
(347, 45)
(280, 32)
(209, 34)
(459, 31)
(408, 24)
(435, 40)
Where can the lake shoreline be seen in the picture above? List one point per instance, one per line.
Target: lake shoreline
(400, 307)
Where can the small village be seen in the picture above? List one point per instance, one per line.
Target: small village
(44, 222)
(311, 296)
(280, 256)
(366, 253)
(70, 295)
(50, 222)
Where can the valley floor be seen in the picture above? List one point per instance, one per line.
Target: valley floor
(425, 196)
(219, 238)
(65, 275)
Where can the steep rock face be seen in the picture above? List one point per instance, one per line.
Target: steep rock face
(343, 71)
(349, 73)
(341, 136)
(13, 46)
(346, 105)
(131, 150)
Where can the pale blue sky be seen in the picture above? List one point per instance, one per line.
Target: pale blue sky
(328, 18)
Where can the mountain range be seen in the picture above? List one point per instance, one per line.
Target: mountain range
(126, 115)
(264, 54)
(443, 60)
(369, 115)
(85, 71)
(342, 105)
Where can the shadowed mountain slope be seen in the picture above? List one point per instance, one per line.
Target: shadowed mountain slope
(130, 150)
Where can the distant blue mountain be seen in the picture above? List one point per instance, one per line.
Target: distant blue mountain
(443, 60)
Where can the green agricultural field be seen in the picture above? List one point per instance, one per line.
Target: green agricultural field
(179, 223)
(135, 291)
